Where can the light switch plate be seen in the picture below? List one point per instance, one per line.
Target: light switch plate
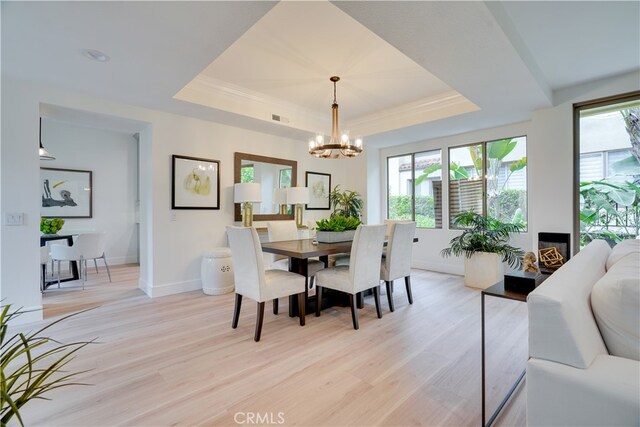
(13, 218)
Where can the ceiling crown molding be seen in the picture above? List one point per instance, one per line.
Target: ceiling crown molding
(445, 105)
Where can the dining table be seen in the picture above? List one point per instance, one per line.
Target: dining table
(74, 265)
(299, 252)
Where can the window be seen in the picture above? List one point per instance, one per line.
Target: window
(608, 177)
(494, 184)
(399, 178)
(414, 188)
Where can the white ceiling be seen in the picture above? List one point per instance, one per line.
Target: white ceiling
(285, 60)
(575, 42)
(506, 58)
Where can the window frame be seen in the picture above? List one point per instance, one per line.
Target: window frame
(577, 108)
(412, 155)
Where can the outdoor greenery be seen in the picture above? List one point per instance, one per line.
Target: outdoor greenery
(346, 203)
(247, 173)
(509, 205)
(51, 225)
(609, 211)
(30, 366)
(484, 234)
(610, 207)
(338, 223)
(496, 202)
(400, 208)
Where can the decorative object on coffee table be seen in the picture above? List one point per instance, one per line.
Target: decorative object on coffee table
(551, 258)
(530, 263)
(561, 242)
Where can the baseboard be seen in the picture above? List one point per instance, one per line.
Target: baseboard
(440, 266)
(144, 286)
(165, 289)
(29, 315)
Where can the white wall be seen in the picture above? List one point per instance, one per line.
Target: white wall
(549, 163)
(113, 159)
(170, 250)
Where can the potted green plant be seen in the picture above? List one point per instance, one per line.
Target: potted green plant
(51, 225)
(346, 203)
(345, 218)
(485, 244)
(32, 365)
(338, 228)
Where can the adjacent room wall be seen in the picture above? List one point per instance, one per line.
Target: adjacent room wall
(550, 170)
(170, 250)
(113, 159)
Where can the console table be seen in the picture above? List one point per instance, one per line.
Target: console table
(497, 291)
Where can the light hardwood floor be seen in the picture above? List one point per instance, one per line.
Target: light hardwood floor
(176, 361)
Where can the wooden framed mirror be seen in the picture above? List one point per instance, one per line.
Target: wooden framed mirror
(272, 173)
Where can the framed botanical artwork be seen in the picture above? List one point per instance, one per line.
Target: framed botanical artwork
(66, 193)
(319, 185)
(195, 183)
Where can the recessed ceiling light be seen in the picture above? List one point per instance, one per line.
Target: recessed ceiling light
(95, 55)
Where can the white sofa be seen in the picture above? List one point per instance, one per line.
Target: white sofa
(584, 341)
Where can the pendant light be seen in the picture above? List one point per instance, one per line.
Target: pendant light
(342, 145)
(44, 154)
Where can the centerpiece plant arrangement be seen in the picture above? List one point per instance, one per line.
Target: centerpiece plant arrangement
(484, 242)
(345, 218)
(32, 365)
(51, 225)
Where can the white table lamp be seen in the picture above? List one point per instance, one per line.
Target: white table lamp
(280, 200)
(247, 193)
(298, 196)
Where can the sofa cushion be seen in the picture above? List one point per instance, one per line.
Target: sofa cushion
(615, 300)
(622, 249)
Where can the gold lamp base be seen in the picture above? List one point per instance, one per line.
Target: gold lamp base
(247, 214)
(299, 214)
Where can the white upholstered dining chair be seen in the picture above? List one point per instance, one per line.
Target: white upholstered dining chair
(397, 263)
(343, 259)
(362, 272)
(87, 246)
(288, 230)
(253, 281)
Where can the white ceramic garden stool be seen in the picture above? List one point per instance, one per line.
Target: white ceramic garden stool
(217, 272)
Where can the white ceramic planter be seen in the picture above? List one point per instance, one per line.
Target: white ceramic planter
(482, 270)
(335, 236)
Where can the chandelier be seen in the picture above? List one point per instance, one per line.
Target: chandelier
(341, 143)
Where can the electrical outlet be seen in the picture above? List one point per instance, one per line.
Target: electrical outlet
(172, 216)
(13, 218)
